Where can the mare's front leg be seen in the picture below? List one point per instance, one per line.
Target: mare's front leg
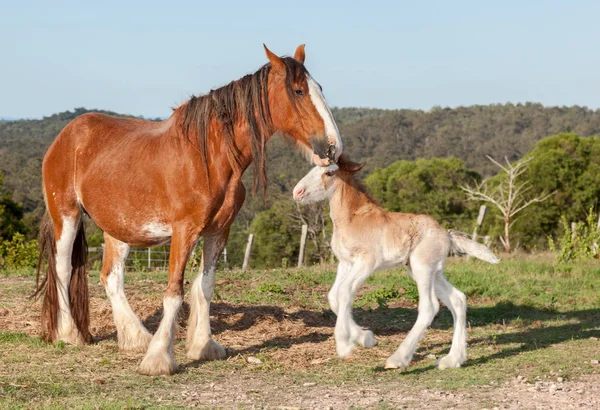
(347, 332)
(159, 358)
(199, 343)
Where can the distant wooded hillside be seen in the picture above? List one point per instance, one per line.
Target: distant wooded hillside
(379, 137)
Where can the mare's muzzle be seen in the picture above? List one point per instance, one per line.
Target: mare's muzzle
(324, 150)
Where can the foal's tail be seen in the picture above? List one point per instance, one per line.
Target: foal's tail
(462, 245)
(78, 287)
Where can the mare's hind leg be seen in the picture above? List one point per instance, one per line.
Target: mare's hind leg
(159, 358)
(65, 230)
(424, 275)
(132, 336)
(456, 301)
(199, 343)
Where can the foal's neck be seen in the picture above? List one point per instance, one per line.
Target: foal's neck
(347, 200)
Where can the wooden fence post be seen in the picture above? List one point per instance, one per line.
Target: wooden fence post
(247, 254)
(302, 245)
(480, 217)
(573, 230)
(149, 258)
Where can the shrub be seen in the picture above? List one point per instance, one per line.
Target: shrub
(578, 242)
(18, 253)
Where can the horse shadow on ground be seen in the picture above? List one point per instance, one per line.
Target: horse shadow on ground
(527, 327)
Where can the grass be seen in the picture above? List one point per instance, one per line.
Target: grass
(531, 318)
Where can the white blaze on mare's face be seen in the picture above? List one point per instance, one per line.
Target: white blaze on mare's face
(312, 187)
(331, 129)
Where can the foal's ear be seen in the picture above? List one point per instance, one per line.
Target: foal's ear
(276, 61)
(347, 165)
(300, 55)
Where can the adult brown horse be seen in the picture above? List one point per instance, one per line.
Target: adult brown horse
(145, 183)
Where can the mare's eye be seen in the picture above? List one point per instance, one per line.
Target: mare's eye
(299, 92)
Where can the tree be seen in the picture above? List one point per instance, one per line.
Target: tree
(11, 214)
(316, 218)
(425, 186)
(570, 165)
(509, 196)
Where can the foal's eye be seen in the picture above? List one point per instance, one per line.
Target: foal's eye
(299, 92)
(329, 173)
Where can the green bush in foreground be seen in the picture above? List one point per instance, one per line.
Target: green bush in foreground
(18, 253)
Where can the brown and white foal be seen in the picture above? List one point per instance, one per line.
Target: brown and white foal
(367, 238)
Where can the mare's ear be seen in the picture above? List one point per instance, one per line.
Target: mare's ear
(300, 55)
(347, 165)
(276, 61)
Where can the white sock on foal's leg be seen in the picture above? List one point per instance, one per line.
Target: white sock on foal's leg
(456, 302)
(159, 358)
(428, 308)
(132, 336)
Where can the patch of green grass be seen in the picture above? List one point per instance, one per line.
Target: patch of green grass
(270, 288)
(525, 317)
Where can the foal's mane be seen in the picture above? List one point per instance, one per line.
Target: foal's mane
(354, 193)
(245, 100)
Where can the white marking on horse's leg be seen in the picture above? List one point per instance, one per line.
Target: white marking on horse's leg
(332, 296)
(159, 358)
(199, 343)
(66, 328)
(456, 301)
(347, 332)
(318, 100)
(423, 275)
(131, 333)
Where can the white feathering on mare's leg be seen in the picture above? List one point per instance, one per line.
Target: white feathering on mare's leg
(132, 336)
(159, 358)
(66, 328)
(199, 342)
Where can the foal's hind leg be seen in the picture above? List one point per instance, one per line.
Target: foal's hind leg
(423, 274)
(199, 343)
(456, 301)
(132, 336)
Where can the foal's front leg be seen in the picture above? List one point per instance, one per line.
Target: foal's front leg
(159, 358)
(347, 332)
(199, 343)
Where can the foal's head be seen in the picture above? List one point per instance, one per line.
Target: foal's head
(321, 182)
(299, 110)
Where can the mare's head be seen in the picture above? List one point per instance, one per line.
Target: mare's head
(299, 110)
(321, 182)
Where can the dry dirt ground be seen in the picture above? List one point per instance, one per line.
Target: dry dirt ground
(280, 357)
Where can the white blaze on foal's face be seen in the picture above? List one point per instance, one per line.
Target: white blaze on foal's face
(317, 185)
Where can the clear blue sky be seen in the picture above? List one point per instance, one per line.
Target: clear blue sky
(144, 57)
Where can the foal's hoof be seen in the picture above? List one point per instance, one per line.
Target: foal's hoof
(158, 364)
(344, 349)
(449, 362)
(368, 339)
(210, 351)
(395, 364)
